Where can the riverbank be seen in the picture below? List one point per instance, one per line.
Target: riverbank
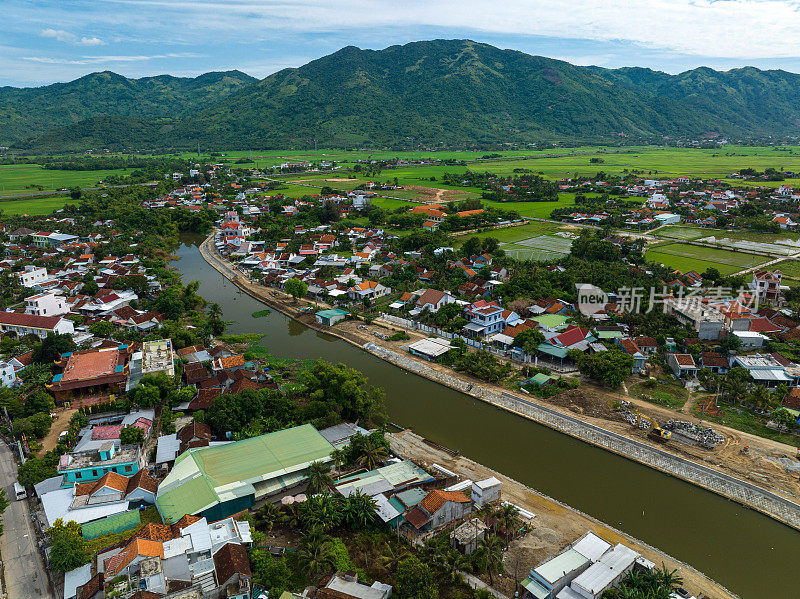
(725, 471)
(555, 526)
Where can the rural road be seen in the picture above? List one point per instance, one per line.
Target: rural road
(23, 571)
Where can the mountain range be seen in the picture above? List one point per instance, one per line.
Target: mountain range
(440, 91)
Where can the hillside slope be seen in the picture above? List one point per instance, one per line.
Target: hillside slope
(452, 91)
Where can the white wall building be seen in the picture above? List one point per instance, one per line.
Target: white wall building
(46, 304)
(7, 375)
(32, 276)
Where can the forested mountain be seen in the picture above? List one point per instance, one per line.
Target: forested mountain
(27, 113)
(452, 91)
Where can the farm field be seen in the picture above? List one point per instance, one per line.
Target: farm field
(789, 268)
(17, 179)
(685, 233)
(33, 206)
(694, 233)
(684, 258)
(520, 233)
(539, 248)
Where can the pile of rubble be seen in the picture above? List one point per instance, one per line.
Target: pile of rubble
(706, 437)
(632, 418)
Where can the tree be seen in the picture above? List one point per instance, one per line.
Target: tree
(35, 470)
(610, 367)
(506, 518)
(482, 364)
(320, 512)
(491, 555)
(345, 388)
(391, 556)
(69, 549)
(338, 457)
(415, 580)
(38, 401)
(37, 426)
(529, 340)
(131, 435)
(315, 555)
(215, 322)
(372, 454)
(319, 479)
(102, 329)
(272, 573)
(51, 348)
(359, 510)
(296, 288)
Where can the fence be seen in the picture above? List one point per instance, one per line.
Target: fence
(508, 355)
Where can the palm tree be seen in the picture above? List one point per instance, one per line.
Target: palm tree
(492, 555)
(359, 510)
(338, 457)
(668, 578)
(315, 555)
(267, 516)
(391, 556)
(319, 479)
(506, 518)
(372, 455)
(321, 511)
(453, 563)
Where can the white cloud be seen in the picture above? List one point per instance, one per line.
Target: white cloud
(87, 60)
(59, 34)
(714, 28)
(71, 38)
(90, 41)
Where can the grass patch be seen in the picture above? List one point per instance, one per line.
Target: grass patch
(242, 338)
(671, 396)
(261, 313)
(686, 233)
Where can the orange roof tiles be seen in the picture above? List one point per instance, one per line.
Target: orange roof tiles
(434, 500)
(90, 365)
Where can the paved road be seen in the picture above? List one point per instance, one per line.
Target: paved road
(23, 570)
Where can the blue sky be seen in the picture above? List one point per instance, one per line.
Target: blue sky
(46, 41)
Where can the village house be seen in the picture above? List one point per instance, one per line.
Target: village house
(29, 324)
(46, 304)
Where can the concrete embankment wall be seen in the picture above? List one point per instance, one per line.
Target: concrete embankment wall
(733, 488)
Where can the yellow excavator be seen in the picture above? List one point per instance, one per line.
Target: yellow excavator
(657, 433)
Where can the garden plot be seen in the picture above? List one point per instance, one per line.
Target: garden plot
(543, 247)
(782, 247)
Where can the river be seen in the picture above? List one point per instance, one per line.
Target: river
(751, 554)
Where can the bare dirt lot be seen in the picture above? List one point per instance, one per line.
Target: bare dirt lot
(434, 195)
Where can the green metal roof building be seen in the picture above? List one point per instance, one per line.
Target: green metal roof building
(221, 480)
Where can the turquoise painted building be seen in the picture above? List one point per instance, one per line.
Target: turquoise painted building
(89, 466)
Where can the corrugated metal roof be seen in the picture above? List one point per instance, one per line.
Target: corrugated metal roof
(535, 589)
(200, 475)
(602, 573)
(557, 567)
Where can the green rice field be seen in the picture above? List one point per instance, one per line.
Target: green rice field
(33, 206)
(789, 268)
(21, 179)
(684, 257)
